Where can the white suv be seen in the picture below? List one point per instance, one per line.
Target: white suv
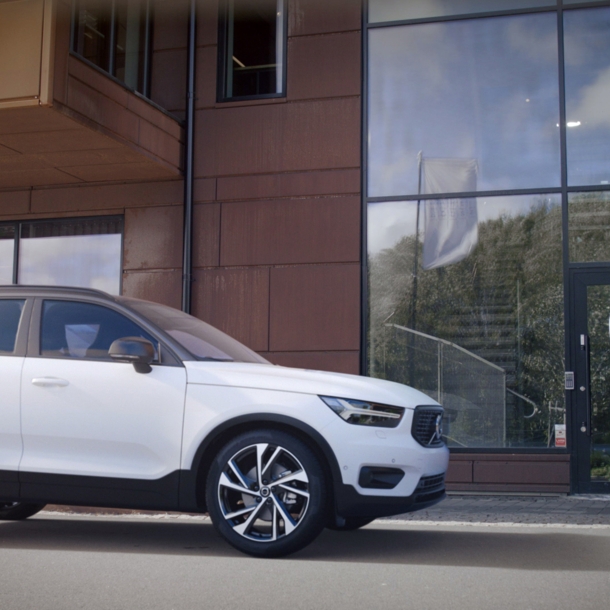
(112, 401)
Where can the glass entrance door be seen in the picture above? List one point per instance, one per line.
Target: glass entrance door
(592, 359)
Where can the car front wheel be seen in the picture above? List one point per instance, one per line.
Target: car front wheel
(15, 511)
(266, 493)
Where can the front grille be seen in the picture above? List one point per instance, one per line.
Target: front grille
(430, 488)
(425, 429)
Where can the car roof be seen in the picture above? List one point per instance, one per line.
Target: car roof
(70, 291)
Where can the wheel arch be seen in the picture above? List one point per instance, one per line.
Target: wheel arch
(193, 481)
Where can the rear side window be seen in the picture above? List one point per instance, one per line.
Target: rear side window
(82, 330)
(10, 315)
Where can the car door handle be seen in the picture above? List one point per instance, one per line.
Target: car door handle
(50, 382)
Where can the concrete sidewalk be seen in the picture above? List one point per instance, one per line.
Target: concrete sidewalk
(572, 510)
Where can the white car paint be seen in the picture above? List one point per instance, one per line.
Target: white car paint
(10, 420)
(107, 420)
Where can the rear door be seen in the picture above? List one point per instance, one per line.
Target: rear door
(95, 430)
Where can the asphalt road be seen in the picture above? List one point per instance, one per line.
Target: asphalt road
(67, 562)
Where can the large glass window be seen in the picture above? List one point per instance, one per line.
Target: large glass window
(115, 36)
(466, 304)
(587, 77)
(479, 90)
(397, 10)
(252, 48)
(69, 252)
(589, 227)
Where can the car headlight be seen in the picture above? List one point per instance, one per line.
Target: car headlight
(364, 413)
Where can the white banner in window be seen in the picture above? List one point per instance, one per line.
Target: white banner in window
(451, 225)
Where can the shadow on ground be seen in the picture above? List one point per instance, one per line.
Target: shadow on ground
(587, 550)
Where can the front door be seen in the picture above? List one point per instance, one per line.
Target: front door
(591, 308)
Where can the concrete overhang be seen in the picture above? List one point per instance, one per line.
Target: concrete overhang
(62, 120)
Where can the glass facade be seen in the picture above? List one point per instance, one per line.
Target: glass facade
(468, 193)
(74, 252)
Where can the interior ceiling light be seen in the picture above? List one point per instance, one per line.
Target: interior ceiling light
(573, 123)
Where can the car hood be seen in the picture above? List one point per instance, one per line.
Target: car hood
(284, 379)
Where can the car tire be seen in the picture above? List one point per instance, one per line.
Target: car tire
(15, 511)
(266, 493)
(350, 524)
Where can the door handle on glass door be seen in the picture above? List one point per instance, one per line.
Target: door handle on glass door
(50, 382)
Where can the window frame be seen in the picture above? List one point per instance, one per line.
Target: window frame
(221, 80)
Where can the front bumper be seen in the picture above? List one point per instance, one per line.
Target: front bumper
(349, 503)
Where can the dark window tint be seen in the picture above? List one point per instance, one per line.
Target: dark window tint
(83, 330)
(253, 48)
(10, 314)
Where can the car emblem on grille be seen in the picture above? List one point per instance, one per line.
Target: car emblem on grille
(437, 437)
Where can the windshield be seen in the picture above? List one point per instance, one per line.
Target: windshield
(202, 340)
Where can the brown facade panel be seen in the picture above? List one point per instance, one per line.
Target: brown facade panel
(96, 80)
(62, 51)
(55, 141)
(278, 137)
(206, 65)
(14, 202)
(298, 184)
(160, 143)
(159, 286)
(337, 362)
(315, 308)
(289, 232)
(324, 66)
(528, 473)
(204, 189)
(153, 238)
(160, 120)
(168, 78)
(33, 120)
(99, 197)
(236, 301)
(118, 171)
(206, 235)
(323, 16)
(35, 177)
(207, 22)
(459, 471)
(104, 111)
(170, 24)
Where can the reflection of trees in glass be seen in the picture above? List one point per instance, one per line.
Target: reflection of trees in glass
(598, 321)
(503, 303)
(589, 227)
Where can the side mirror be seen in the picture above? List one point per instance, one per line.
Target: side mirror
(140, 352)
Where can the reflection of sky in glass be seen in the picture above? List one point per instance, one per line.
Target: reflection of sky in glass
(7, 248)
(86, 261)
(483, 89)
(394, 10)
(587, 77)
(389, 222)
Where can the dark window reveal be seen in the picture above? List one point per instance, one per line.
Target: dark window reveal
(10, 314)
(252, 43)
(116, 37)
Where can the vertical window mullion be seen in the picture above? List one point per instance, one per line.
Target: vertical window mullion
(16, 253)
(112, 41)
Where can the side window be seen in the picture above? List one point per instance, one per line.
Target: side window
(10, 315)
(71, 329)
